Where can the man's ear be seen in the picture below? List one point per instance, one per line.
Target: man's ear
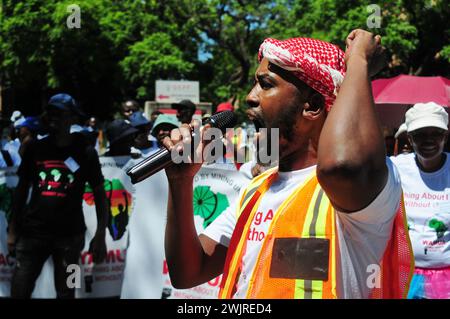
(314, 107)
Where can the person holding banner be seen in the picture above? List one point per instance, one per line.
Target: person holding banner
(57, 168)
(328, 221)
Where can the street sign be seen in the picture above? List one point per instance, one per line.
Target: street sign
(175, 91)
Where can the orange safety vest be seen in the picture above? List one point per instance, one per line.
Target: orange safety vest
(307, 214)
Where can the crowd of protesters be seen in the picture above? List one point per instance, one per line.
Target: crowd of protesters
(57, 153)
(137, 134)
(133, 133)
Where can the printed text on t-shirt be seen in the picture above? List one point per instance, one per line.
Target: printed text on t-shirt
(258, 230)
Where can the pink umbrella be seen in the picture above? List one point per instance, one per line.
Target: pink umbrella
(394, 96)
(409, 89)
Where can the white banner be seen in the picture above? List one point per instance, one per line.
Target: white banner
(214, 191)
(135, 264)
(143, 272)
(8, 181)
(103, 280)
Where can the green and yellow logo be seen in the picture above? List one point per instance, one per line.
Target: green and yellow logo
(208, 205)
(438, 226)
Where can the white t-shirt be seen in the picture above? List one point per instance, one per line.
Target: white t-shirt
(246, 169)
(13, 149)
(427, 204)
(363, 235)
(12, 146)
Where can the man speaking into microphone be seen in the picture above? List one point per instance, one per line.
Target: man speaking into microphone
(329, 216)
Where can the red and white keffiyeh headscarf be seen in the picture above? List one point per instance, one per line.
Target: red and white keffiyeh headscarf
(317, 63)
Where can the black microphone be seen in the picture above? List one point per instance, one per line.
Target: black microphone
(162, 158)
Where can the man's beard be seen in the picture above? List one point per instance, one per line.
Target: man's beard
(286, 122)
(284, 125)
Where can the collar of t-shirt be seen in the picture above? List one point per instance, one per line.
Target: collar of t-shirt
(285, 178)
(435, 173)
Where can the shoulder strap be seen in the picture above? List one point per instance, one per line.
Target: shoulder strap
(7, 157)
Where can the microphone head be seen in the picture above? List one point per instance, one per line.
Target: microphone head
(222, 120)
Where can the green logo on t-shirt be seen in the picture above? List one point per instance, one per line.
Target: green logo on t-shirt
(438, 226)
(208, 205)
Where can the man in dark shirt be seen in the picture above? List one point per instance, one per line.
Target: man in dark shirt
(52, 224)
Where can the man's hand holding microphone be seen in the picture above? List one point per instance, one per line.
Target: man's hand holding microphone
(186, 147)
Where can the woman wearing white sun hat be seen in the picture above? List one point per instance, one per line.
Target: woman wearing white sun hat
(425, 176)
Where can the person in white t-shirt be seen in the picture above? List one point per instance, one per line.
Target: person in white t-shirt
(320, 135)
(425, 176)
(10, 146)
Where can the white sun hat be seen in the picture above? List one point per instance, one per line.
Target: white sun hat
(426, 115)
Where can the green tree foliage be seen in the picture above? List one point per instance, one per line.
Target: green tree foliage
(231, 31)
(152, 42)
(24, 55)
(120, 49)
(155, 57)
(414, 32)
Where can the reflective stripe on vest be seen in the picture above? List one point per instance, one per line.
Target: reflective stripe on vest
(307, 213)
(309, 204)
(248, 207)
